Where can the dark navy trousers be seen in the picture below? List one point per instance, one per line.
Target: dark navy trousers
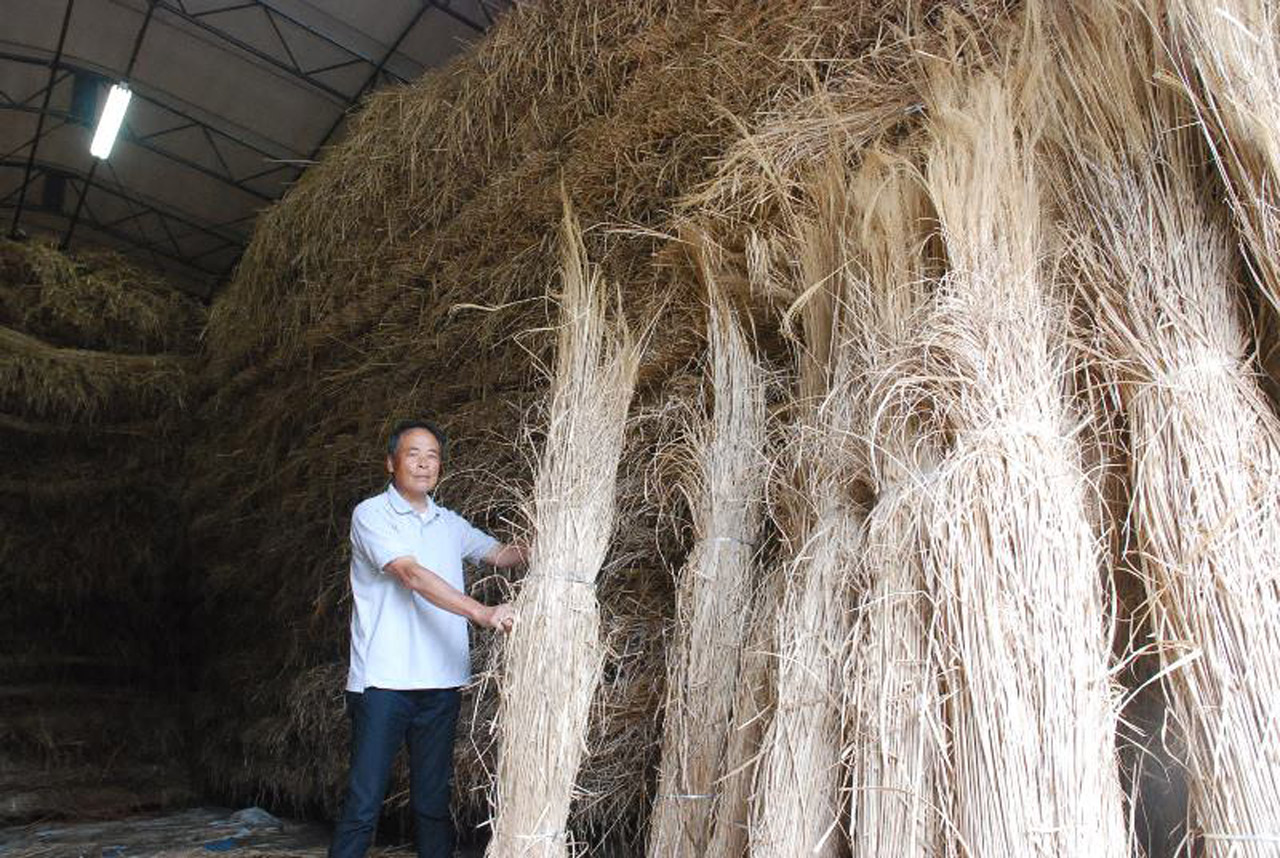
(381, 721)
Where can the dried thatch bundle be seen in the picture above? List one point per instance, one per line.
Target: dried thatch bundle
(796, 803)
(1012, 561)
(1156, 266)
(1227, 54)
(752, 708)
(1149, 742)
(894, 741)
(554, 655)
(799, 775)
(714, 589)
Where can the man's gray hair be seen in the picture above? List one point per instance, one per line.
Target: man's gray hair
(404, 426)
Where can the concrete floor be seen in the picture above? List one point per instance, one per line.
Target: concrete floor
(193, 833)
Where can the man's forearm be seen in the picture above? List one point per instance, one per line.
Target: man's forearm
(509, 556)
(441, 593)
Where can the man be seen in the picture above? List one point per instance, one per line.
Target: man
(409, 648)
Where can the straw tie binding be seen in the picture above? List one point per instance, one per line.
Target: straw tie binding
(570, 577)
(1035, 427)
(558, 834)
(1182, 376)
(732, 540)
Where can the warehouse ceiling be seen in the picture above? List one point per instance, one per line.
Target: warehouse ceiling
(232, 101)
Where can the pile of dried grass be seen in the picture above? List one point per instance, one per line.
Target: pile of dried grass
(1157, 270)
(89, 339)
(51, 383)
(85, 750)
(94, 300)
(89, 522)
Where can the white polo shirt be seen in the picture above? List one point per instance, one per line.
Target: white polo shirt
(399, 639)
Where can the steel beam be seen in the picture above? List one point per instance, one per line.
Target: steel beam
(443, 6)
(291, 67)
(190, 227)
(148, 141)
(44, 110)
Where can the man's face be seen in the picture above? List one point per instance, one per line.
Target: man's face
(415, 467)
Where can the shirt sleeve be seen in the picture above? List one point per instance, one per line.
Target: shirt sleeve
(375, 538)
(476, 544)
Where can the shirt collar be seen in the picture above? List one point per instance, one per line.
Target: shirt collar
(403, 507)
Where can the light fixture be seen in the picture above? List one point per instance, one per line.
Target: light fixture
(109, 122)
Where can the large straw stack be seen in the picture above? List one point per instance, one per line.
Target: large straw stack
(554, 655)
(1156, 265)
(1013, 564)
(894, 739)
(714, 589)
(93, 340)
(94, 355)
(406, 274)
(94, 359)
(85, 384)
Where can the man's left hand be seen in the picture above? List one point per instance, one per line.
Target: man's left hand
(501, 618)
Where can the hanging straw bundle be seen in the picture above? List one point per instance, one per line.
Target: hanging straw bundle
(893, 742)
(713, 594)
(753, 701)
(1158, 271)
(554, 654)
(1228, 58)
(752, 706)
(795, 809)
(796, 802)
(1013, 564)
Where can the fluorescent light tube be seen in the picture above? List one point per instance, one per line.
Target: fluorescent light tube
(109, 122)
